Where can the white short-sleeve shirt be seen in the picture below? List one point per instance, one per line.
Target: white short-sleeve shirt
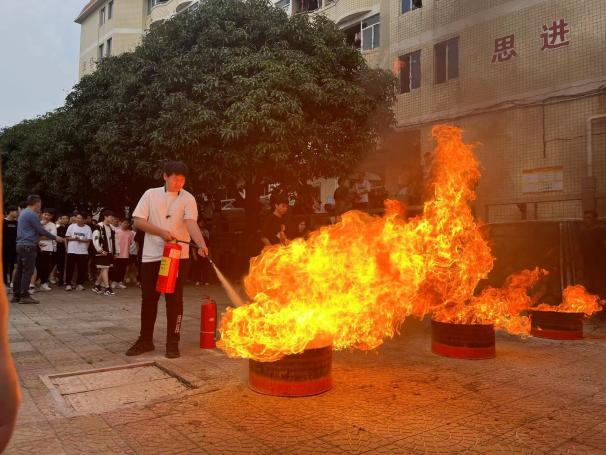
(168, 211)
(83, 233)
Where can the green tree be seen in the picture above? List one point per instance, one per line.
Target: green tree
(237, 89)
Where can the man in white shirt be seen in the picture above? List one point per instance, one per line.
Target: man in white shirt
(165, 214)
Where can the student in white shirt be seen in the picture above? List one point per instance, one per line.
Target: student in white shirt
(46, 257)
(78, 236)
(165, 214)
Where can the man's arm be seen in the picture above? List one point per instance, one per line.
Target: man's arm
(197, 237)
(35, 223)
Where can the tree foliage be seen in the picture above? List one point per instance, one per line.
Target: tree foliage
(236, 89)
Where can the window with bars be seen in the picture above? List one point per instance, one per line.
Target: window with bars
(101, 16)
(100, 52)
(108, 50)
(410, 71)
(110, 10)
(371, 37)
(447, 60)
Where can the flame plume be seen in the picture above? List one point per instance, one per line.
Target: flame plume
(354, 283)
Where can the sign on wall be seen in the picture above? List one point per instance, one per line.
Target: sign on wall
(543, 180)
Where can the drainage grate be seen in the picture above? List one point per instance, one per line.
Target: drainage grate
(102, 390)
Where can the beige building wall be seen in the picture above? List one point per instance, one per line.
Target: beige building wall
(529, 113)
(125, 29)
(130, 20)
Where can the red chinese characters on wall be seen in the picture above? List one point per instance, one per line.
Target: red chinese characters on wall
(504, 49)
(556, 35)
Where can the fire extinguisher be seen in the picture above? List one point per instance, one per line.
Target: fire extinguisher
(208, 323)
(169, 268)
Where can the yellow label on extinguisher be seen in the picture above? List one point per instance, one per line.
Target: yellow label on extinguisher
(164, 266)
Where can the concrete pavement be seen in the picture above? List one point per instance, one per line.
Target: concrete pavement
(536, 396)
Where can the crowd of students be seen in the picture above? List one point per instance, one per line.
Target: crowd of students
(103, 251)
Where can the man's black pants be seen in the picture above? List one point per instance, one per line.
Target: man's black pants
(149, 302)
(8, 266)
(44, 264)
(81, 262)
(26, 262)
(60, 258)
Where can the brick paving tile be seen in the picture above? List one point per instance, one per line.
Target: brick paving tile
(153, 436)
(32, 432)
(355, 440)
(312, 447)
(45, 446)
(575, 448)
(594, 437)
(450, 438)
(215, 436)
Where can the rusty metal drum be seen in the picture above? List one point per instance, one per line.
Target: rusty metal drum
(296, 375)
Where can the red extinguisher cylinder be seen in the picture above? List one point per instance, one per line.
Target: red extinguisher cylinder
(169, 268)
(208, 324)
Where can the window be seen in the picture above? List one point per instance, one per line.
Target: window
(100, 53)
(410, 71)
(152, 3)
(447, 60)
(407, 5)
(102, 16)
(108, 51)
(371, 32)
(110, 10)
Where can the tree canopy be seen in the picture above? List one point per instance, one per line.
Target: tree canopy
(236, 89)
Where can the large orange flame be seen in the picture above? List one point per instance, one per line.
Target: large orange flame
(354, 283)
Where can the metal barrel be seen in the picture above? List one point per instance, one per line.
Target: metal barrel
(463, 341)
(556, 325)
(296, 375)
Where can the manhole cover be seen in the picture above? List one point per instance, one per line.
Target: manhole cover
(97, 391)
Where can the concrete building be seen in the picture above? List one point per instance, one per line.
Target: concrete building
(111, 27)
(524, 78)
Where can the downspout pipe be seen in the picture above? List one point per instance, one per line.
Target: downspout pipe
(589, 143)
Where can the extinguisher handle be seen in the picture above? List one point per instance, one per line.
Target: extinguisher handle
(197, 247)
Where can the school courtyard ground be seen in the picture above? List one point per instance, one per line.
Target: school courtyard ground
(536, 396)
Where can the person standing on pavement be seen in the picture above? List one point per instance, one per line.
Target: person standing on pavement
(9, 244)
(104, 242)
(124, 240)
(62, 225)
(46, 256)
(78, 236)
(165, 214)
(29, 231)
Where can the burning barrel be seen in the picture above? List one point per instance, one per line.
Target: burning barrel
(557, 325)
(463, 341)
(296, 375)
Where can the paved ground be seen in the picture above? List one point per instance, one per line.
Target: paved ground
(537, 396)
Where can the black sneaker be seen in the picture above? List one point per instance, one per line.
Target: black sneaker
(97, 289)
(109, 291)
(172, 351)
(28, 299)
(140, 347)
